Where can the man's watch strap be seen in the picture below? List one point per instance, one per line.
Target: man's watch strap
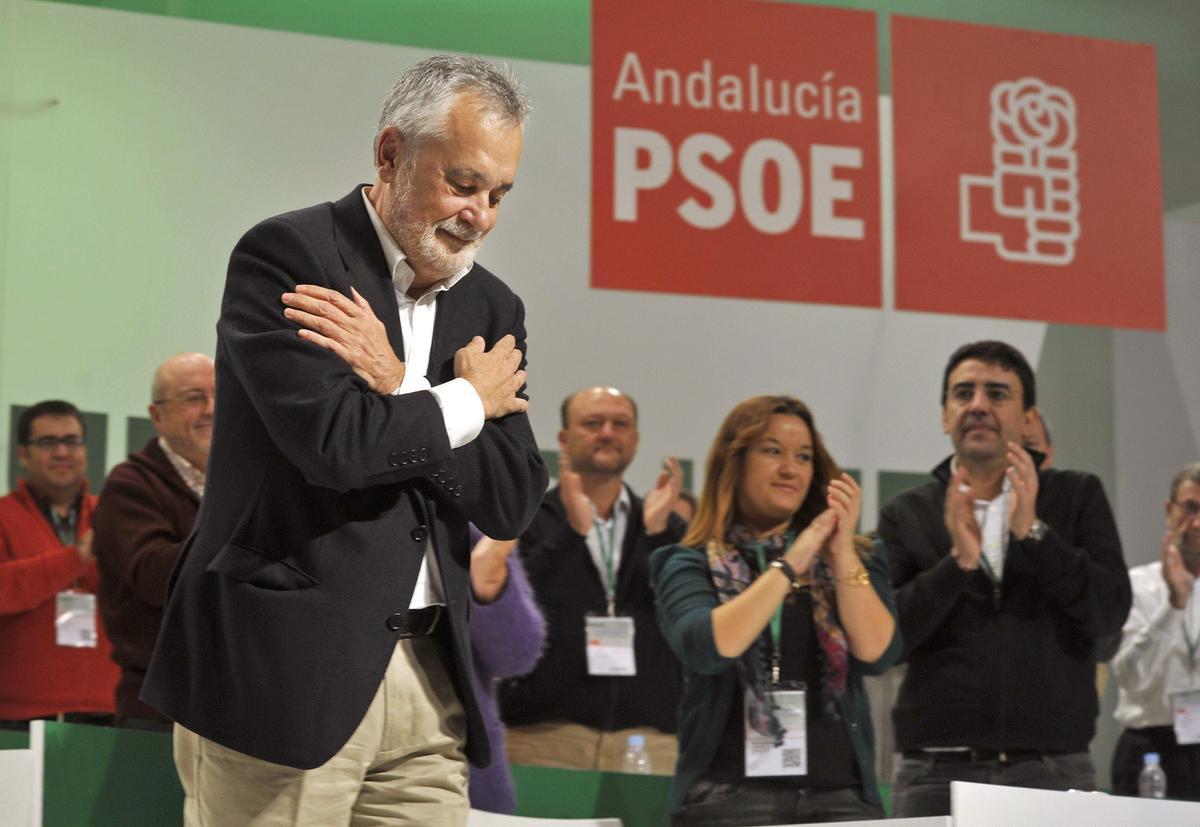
(1037, 532)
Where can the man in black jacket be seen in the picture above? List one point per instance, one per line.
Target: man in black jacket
(314, 649)
(586, 553)
(1006, 577)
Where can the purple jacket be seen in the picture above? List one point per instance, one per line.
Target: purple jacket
(506, 640)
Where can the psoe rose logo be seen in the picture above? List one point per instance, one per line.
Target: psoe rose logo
(1028, 207)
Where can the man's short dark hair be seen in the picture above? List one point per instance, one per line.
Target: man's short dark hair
(50, 407)
(991, 352)
(1189, 473)
(564, 409)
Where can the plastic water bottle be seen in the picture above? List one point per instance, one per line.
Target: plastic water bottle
(1152, 781)
(637, 761)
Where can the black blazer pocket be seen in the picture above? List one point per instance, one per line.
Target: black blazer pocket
(247, 565)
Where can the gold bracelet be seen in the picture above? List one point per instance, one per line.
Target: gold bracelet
(858, 577)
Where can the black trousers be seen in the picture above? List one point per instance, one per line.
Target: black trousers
(1180, 763)
(722, 804)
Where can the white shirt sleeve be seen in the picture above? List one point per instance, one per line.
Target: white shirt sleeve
(1152, 635)
(462, 409)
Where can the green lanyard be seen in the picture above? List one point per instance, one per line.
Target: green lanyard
(987, 567)
(776, 620)
(606, 555)
(1192, 645)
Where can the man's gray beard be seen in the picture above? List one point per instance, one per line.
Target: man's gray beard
(424, 238)
(1189, 553)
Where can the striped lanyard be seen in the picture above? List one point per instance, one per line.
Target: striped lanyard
(1191, 643)
(607, 553)
(776, 624)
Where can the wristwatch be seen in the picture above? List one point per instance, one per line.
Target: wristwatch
(1037, 531)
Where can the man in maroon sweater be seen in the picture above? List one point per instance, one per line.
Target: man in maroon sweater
(146, 511)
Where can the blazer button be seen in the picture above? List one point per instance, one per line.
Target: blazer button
(394, 458)
(422, 454)
(456, 491)
(419, 534)
(397, 621)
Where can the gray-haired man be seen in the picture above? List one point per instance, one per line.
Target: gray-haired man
(1158, 702)
(315, 642)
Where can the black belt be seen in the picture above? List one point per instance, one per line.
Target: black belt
(416, 622)
(973, 756)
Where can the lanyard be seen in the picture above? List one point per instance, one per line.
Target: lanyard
(986, 565)
(1191, 644)
(607, 552)
(776, 620)
(984, 562)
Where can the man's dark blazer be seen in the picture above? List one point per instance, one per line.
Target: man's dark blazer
(319, 500)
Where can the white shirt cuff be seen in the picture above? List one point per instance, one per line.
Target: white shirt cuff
(462, 410)
(411, 383)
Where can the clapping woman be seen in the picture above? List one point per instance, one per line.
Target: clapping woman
(776, 609)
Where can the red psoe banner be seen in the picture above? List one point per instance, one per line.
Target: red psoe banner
(735, 150)
(1027, 175)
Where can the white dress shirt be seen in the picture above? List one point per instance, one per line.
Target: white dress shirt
(1153, 659)
(992, 517)
(462, 409)
(598, 538)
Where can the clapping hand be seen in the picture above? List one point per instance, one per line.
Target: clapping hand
(656, 509)
(1022, 506)
(965, 534)
(575, 503)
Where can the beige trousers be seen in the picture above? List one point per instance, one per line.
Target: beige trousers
(574, 746)
(403, 764)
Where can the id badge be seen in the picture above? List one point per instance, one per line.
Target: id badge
(1187, 716)
(609, 645)
(75, 620)
(764, 757)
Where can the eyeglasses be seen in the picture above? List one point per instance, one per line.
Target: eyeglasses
(995, 393)
(1190, 507)
(190, 399)
(49, 443)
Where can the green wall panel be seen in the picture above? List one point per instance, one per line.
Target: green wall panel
(560, 31)
(105, 777)
(638, 800)
(892, 483)
(1075, 391)
(14, 740)
(138, 430)
(553, 30)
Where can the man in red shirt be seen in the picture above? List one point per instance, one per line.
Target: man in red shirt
(54, 657)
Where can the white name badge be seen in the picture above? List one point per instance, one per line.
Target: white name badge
(75, 620)
(1187, 716)
(609, 645)
(763, 756)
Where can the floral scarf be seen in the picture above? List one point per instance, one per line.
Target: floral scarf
(733, 569)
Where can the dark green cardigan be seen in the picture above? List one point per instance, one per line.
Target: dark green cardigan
(685, 599)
